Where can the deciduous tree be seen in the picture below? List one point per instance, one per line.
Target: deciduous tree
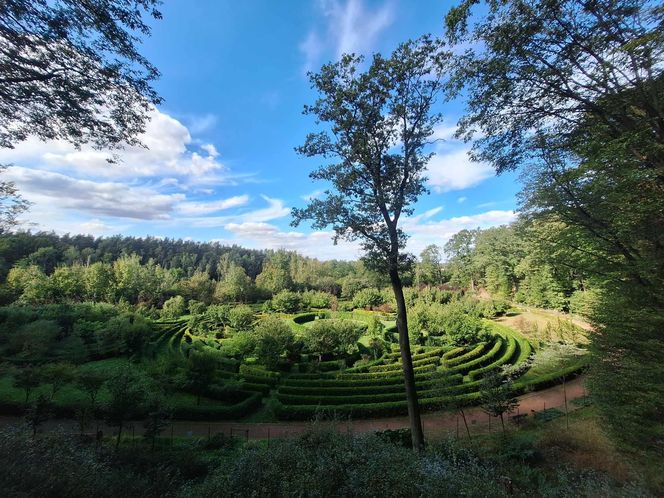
(380, 120)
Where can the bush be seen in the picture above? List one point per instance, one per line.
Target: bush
(368, 298)
(241, 318)
(286, 302)
(173, 308)
(318, 299)
(458, 360)
(273, 338)
(479, 361)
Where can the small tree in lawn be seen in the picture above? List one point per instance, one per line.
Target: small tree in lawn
(497, 396)
(126, 394)
(40, 411)
(273, 338)
(158, 417)
(451, 402)
(58, 374)
(200, 373)
(90, 382)
(380, 123)
(27, 378)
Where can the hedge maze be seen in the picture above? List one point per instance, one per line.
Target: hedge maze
(445, 376)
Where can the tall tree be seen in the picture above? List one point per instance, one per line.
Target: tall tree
(429, 269)
(574, 90)
(71, 70)
(380, 123)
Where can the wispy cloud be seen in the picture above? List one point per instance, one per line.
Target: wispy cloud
(346, 27)
(275, 209)
(200, 208)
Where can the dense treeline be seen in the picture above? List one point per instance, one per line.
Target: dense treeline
(47, 268)
(510, 262)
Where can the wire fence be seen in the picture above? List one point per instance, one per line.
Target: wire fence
(533, 408)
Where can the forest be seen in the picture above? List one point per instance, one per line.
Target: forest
(518, 359)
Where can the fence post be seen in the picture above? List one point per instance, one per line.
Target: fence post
(209, 432)
(457, 428)
(246, 432)
(171, 434)
(489, 424)
(268, 436)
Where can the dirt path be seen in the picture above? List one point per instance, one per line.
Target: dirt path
(435, 424)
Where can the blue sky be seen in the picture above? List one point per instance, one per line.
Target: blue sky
(221, 163)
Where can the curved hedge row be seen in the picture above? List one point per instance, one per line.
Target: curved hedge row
(504, 359)
(397, 366)
(460, 359)
(303, 318)
(422, 385)
(212, 412)
(480, 361)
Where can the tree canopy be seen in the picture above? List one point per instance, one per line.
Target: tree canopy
(71, 70)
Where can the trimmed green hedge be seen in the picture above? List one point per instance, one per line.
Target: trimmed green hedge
(352, 380)
(386, 409)
(361, 390)
(373, 375)
(211, 412)
(504, 359)
(479, 361)
(259, 372)
(453, 353)
(551, 379)
(303, 318)
(432, 360)
(464, 358)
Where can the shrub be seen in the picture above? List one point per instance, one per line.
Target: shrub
(479, 361)
(173, 307)
(286, 302)
(333, 336)
(457, 360)
(273, 338)
(318, 299)
(241, 317)
(368, 298)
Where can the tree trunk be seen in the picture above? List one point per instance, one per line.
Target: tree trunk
(465, 422)
(117, 441)
(407, 362)
(502, 422)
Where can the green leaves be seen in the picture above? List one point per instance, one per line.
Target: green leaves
(379, 122)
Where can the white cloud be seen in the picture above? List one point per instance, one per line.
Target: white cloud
(312, 48)
(349, 27)
(462, 199)
(451, 168)
(56, 190)
(201, 124)
(312, 195)
(315, 244)
(200, 208)
(439, 232)
(98, 227)
(422, 230)
(168, 153)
